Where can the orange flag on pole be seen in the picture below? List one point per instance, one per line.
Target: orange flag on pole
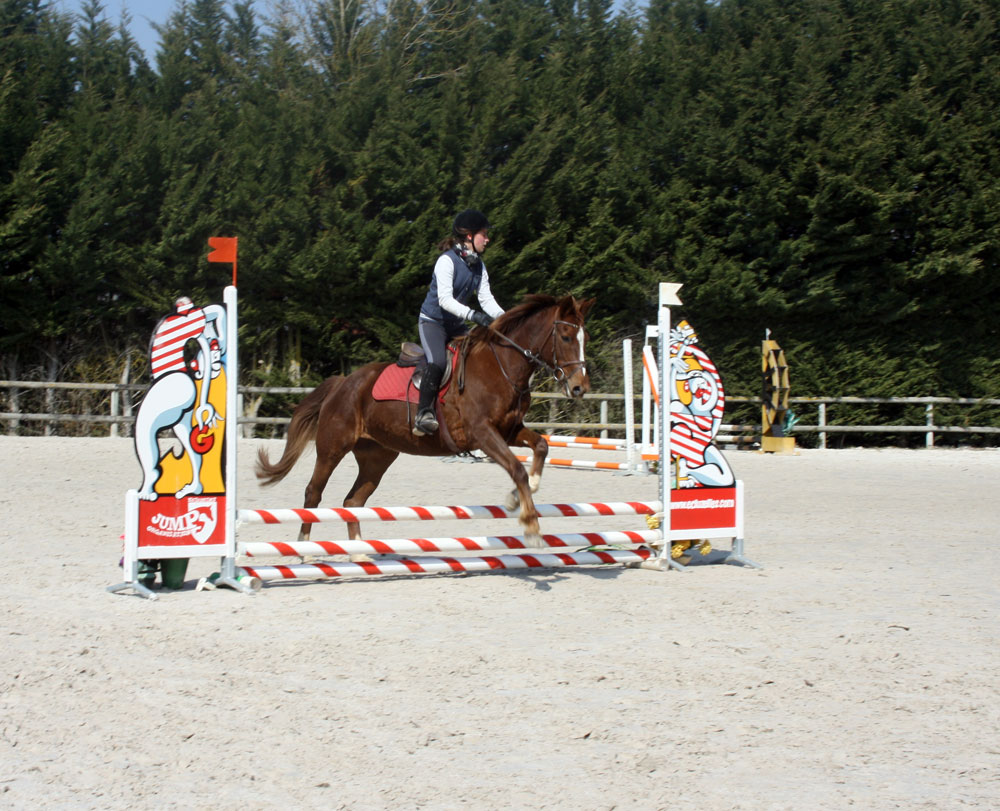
(224, 250)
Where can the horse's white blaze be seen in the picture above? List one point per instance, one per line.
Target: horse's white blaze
(579, 340)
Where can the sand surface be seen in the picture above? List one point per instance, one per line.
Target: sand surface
(859, 668)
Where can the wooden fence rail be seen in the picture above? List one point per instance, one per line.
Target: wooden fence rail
(122, 395)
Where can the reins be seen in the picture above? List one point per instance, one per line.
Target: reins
(556, 370)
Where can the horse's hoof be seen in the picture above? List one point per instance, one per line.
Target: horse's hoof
(513, 501)
(533, 539)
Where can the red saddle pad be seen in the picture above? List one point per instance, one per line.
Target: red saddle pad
(394, 382)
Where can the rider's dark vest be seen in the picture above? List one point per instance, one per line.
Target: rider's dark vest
(465, 288)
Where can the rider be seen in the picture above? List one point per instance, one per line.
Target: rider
(459, 273)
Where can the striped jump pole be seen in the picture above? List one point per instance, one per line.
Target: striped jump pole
(578, 547)
(590, 446)
(557, 441)
(593, 443)
(435, 565)
(587, 464)
(485, 543)
(319, 515)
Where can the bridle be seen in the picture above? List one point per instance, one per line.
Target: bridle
(556, 370)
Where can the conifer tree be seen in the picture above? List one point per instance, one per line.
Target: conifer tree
(824, 170)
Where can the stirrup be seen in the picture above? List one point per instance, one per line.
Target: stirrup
(424, 423)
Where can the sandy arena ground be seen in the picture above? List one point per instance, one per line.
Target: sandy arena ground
(858, 668)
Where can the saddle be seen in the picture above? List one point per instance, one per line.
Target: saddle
(412, 354)
(401, 380)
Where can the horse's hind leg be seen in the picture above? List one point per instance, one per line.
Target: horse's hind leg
(327, 459)
(373, 461)
(540, 449)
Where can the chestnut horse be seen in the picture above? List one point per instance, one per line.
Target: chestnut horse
(541, 333)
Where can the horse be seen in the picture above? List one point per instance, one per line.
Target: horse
(486, 414)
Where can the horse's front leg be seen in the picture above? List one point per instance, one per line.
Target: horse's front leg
(527, 438)
(496, 448)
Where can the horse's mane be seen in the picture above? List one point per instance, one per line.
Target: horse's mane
(509, 322)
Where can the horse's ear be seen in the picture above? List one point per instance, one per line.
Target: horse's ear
(570, 305)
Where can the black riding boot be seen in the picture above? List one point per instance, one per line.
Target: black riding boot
(425, 422)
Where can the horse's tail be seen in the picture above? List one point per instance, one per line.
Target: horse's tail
(301, 430)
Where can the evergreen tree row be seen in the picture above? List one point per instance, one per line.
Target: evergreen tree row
(826, 169)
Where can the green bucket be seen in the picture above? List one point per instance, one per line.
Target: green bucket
(172, 571)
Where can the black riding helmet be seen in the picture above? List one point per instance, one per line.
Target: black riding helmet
(470, 221)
